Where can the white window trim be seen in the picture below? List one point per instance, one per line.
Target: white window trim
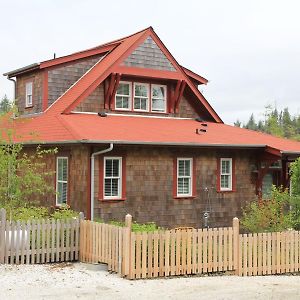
(228, 174)
(27, 104)
(62, 181)
(148, 92)
(119, 196)
(165, 89)
(191, 177)
(130, 97)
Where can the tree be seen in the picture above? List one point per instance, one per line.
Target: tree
(237, 123)
(5, 105)
(22, 179)
(251, 123)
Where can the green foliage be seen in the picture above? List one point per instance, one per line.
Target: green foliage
(268, 215)
(295, 190)
(136, 227)
(64, 212)
(22, 176)
(280, 124)
(5, 105)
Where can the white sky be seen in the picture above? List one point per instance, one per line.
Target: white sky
(249, 50)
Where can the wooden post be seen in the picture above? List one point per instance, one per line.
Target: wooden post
(127, 246)
(236, 242)
(2, 234)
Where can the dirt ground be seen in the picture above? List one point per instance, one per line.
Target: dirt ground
(77, 281)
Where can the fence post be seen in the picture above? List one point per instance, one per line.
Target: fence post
(236, 244)
(127, 245)
(2, 234)
(82, 241)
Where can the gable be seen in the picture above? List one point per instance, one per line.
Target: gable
(148, 55)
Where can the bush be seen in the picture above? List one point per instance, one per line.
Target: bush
(136, 227)
(64, 212)
(268, 215)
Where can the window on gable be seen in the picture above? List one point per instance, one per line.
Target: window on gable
(226, 174)
(28, 94)
(141, 97)
(61, 180)
(184, 176)
(123, 96)
(158, 95)
(112, 177)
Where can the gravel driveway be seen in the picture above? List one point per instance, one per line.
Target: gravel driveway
(76, 281)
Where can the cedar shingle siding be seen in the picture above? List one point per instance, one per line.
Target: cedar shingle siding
(60, 79)
(148, 55)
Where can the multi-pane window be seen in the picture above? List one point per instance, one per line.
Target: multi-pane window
(112, 177)
(226, 174)
(61, 180)
(184, 177)
(28, 94)
(141, 97)
(123, 96)
(158, 96)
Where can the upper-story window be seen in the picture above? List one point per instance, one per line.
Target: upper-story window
(226, 174)
(123, 96)
(28, 100)
(141, 97)
(158, 95)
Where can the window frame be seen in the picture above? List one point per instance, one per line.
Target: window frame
(120, 177)
(165, 98)
(230, 174)
(27, 104)
(129, 97)
(62, 181)
(190, 194)
(147, 85)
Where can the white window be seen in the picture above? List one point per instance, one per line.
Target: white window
(226, 174)
(61, 180)
(141, 97)
(28, 94)
(112, 177)
(123, 96)
(158, 94)
(184, 177)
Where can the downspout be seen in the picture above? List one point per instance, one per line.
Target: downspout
(15, 88)
(111, 147)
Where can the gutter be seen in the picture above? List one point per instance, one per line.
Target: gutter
(15, 88)
(110, 148)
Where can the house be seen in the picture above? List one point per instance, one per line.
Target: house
(135, 135)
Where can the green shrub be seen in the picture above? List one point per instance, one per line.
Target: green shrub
(64, 212)
(268, 215)
(136, 227)
(26, 213)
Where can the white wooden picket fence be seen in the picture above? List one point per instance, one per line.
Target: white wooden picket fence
(38, 241)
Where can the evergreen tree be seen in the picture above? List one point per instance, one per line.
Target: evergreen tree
(5, 105)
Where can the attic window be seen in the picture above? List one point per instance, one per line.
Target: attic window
(123, 96)
(158, 94)
(28, 99)
(141, 97)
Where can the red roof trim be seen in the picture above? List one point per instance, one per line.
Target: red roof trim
(195, 76)
(76, 56)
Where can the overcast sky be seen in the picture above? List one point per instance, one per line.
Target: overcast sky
(248, 50)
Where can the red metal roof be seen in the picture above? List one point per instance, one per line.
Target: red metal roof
(91, 128)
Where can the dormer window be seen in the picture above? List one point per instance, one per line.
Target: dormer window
(158, 95)
(123, 96)
(28, 99)
(141, 97)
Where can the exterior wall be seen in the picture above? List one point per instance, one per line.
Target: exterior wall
(149, 188)
(79, 159)
(37, 79)
(60, 79)
(148, 55)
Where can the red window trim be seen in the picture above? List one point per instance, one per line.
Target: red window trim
(31, 80)
(219, 175)
(101, 179)
(194, 184)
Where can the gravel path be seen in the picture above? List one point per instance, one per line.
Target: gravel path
(76, 281)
